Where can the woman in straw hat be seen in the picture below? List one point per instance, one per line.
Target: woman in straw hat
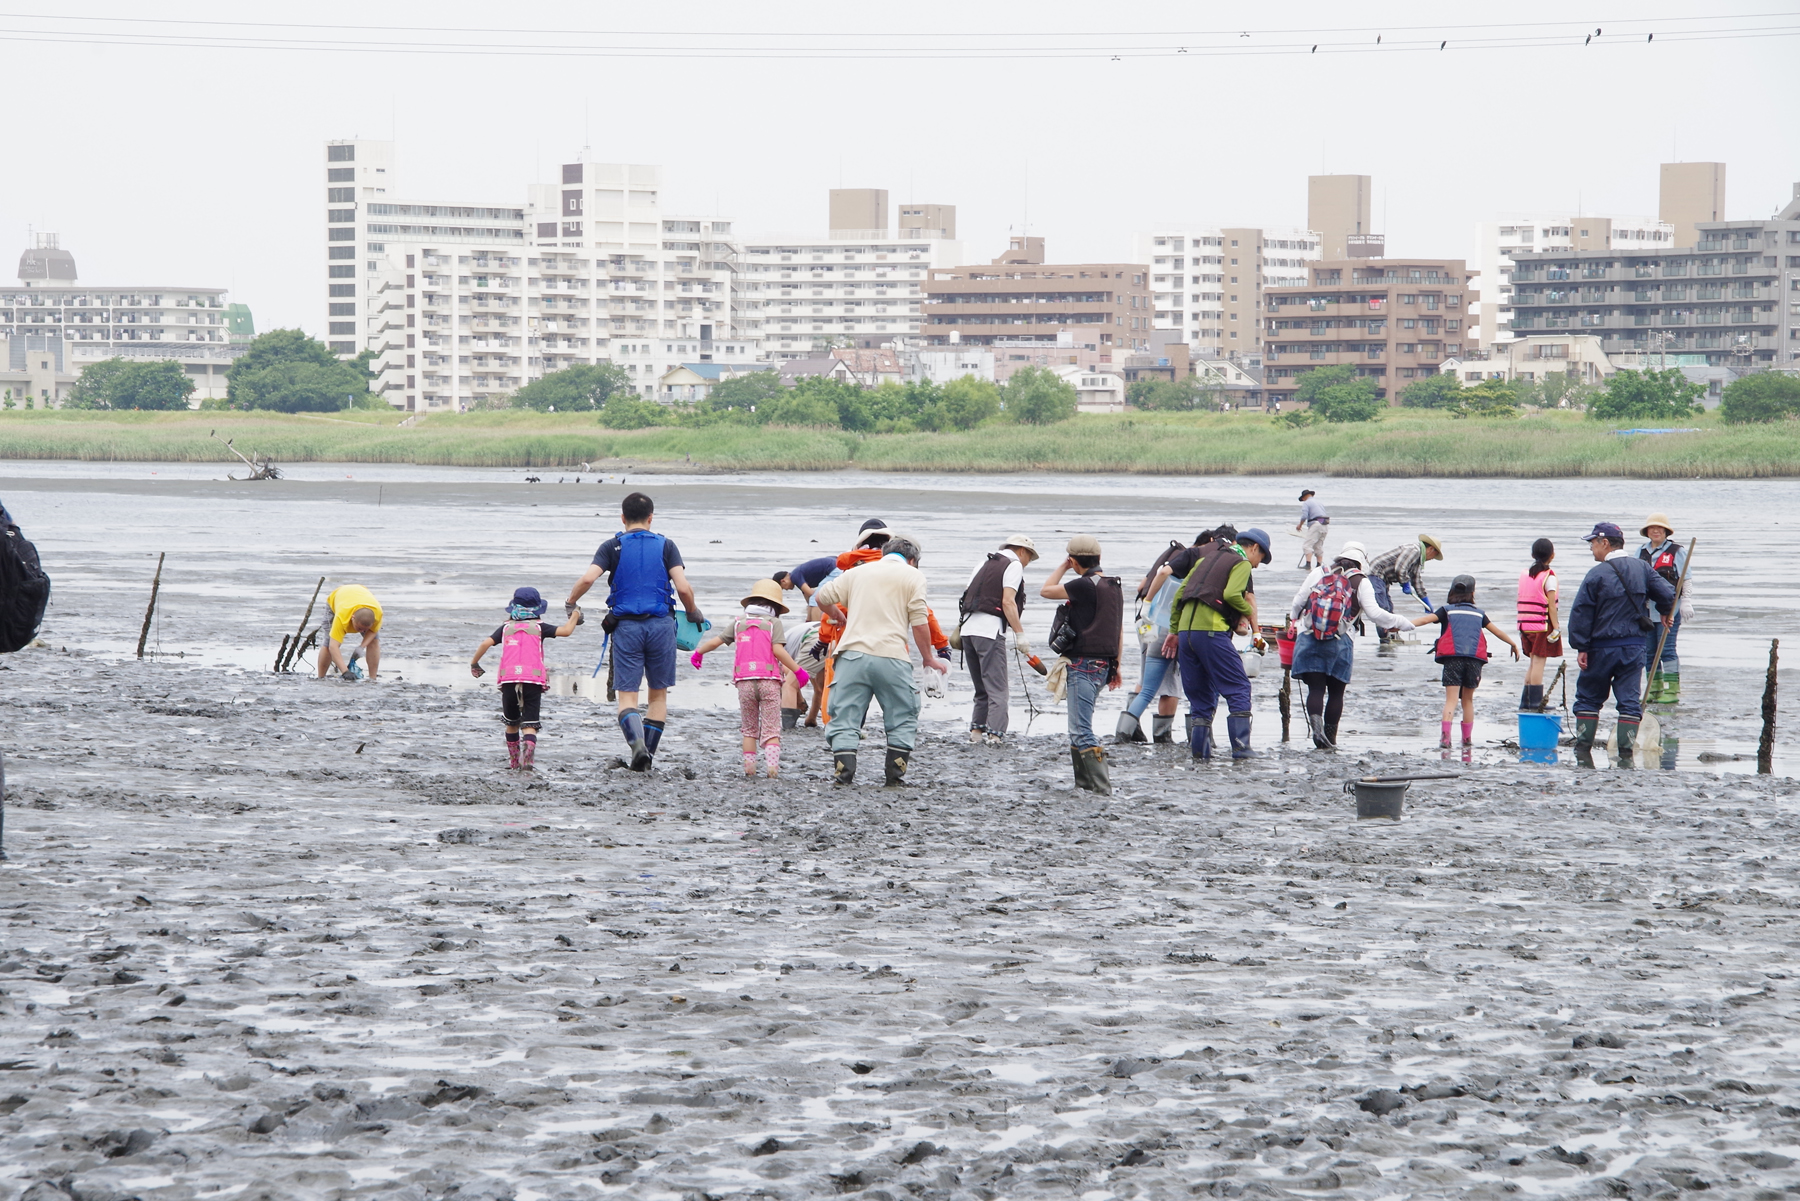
(761, 654)
(1668, 559)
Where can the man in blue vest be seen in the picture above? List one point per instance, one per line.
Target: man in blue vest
(647, 574)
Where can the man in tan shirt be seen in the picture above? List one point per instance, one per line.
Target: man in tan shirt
(878, 604)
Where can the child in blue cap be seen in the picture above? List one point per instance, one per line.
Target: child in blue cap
(523, 676)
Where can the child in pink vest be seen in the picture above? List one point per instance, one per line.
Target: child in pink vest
(523, 677)
(761, 655)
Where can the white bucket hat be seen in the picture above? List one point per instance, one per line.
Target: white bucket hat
(1354, 550)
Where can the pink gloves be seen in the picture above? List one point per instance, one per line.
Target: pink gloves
(695, 659)
(801, 678)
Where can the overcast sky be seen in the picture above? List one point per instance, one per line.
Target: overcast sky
(174, 164)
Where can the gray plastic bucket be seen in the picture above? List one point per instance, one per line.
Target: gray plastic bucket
(1378, 798)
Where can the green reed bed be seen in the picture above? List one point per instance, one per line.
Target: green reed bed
(1403, 444)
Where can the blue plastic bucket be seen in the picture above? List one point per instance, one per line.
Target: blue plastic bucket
(687, 634)
(1539, 731)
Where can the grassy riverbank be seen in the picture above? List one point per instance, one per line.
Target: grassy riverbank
(1403, 444)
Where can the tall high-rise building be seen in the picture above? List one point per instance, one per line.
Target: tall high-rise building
(618, 277)
(1501, 240)
(1337, 208)
(860, 209)
(1691, 193)
(1208, 281)
(436, 290)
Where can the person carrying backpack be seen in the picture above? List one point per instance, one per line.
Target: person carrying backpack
(24, 594)
(1216, 601)
(1328, 602)
(1462, 651)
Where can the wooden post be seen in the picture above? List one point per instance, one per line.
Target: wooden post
(155, 585)
(1287, 692)
(281, 654)
(284, 665)
(1765, 749)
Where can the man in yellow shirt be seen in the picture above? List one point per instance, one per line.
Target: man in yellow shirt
(352, 608)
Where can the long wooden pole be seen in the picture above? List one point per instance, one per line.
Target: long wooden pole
(289, 661)
(1765, 748)
(155, 585)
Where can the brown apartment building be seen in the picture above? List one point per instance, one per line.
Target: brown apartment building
(1394, 320)
(1019, 302)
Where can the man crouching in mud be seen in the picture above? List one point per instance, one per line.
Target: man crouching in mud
(351, 608)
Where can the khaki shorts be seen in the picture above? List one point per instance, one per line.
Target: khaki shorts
(1312, 539)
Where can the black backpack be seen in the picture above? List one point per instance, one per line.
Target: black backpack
(24, 590)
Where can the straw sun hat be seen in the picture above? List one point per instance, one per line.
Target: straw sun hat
(766, 592)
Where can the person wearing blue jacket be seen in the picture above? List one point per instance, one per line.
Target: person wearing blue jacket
(1606, 626)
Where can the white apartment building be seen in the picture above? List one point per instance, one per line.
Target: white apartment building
(799, 295)
(1548, 232)
(436, 290)
(465, 303)
(617, 278)
(1207, 281)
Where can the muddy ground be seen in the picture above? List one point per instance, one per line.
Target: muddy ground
(271, 938)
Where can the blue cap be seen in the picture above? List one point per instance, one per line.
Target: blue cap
(529, 598)
(1261, 539)
(1605, 529)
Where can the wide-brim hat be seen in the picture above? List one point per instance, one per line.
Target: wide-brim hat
(1021, 542)
(529, 598)
(871, 529)
(1661, 519)
(1356, 552)
(766, 592)
(1433, 543)
(1306, 492)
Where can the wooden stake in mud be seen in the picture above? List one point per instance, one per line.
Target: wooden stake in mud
(1765, 749)
(1287, 691)
(284, 664)
(155, 585)
(281, 653)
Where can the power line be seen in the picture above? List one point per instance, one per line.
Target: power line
(853, 53)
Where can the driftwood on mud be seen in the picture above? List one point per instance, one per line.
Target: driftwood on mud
(284, 660)
(1765, 747)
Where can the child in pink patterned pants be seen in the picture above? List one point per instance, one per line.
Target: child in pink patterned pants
(760, 658)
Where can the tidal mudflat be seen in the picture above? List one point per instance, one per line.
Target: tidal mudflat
(271, 938)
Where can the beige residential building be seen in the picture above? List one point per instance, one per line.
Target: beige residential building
(1522, 234)
(1393, 320)
(1019, 304)
(1691, 193)
(859, 209)
(1337, 207)
(925, 218)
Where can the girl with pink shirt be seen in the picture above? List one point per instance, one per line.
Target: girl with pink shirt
(760, 657)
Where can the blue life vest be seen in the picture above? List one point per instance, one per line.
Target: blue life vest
(640, 582)
(1462, 637)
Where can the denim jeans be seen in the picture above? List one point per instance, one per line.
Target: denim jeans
(1670, 661)
(1087, 678)
(1155, 669)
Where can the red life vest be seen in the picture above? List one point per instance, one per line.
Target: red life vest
(1462, 637)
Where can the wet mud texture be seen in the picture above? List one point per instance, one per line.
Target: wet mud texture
(267, 938)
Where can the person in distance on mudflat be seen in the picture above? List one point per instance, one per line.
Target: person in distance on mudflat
(351, 608)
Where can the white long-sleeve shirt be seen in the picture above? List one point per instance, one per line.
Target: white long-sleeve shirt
(1365, 598)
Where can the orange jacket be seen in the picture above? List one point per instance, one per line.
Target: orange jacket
(831, 631)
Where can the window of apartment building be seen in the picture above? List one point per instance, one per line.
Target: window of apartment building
(340, 154)
(377, 247)
(341, 271)
(347, 234)
(343, 290)
(341, 252)
(340, 175)
(340, 195)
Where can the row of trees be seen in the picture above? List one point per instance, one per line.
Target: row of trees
(1338, 394)
(1033, 396)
